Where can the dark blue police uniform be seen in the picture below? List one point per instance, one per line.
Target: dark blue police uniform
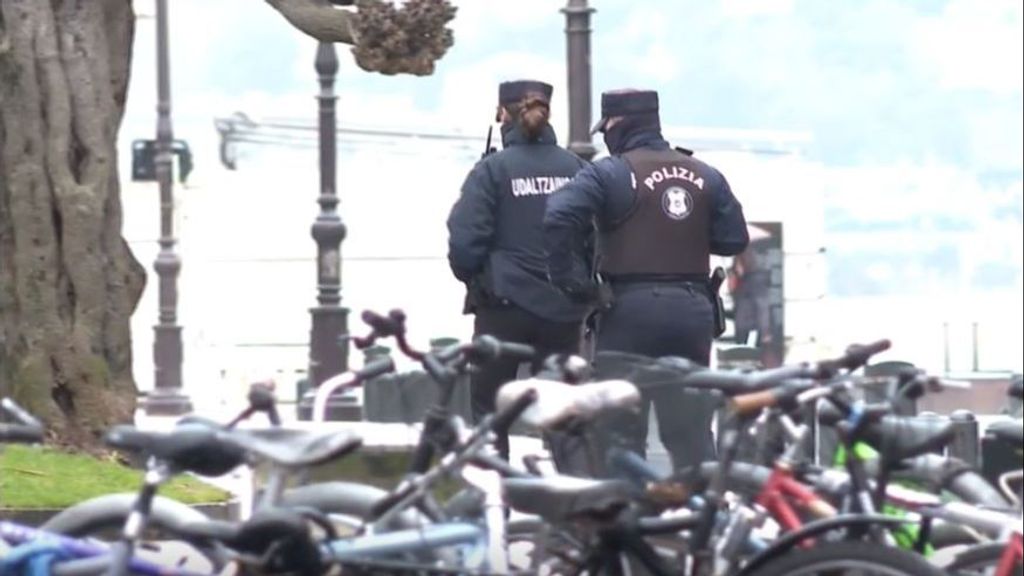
(495, 247)
(660, 213)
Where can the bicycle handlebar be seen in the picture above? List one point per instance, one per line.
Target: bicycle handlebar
(16, 434)
(802, 378)
(390, 326)
(346, 381)
(29, 430)
(444, 364)
(12, 408)
(855, 356)
(438, 363)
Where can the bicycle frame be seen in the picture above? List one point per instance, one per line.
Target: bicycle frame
(987, 521)
(470, 538)
(1012, 555)
(781, 490)
(80, 549)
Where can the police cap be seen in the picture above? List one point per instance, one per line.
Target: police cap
(616, 103)
(514, 91)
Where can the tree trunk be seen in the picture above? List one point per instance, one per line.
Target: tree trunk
(68, 281)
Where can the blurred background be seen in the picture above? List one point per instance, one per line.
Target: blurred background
(879, 143)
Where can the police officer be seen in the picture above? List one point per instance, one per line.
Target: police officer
(660, 214)
(495, 240)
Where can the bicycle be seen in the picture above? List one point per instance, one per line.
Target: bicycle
(35, 549)
(623, 537)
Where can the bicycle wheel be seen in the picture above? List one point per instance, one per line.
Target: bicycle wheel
(849, 559)
(103, 518)
(978, 559)
(348, 504)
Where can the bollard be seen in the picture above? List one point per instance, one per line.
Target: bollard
(965, 442)
(375, 400)
(443, 342)
(374, 352)
(893, 369)
(460, 404)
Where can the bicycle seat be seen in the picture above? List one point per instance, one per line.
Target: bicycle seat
(1011, 431)
(566, 498)
(900, 437)
(558, 402)
(192, 447)
(205, 450)
(292, 448)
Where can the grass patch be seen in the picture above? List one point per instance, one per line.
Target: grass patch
(39, 477)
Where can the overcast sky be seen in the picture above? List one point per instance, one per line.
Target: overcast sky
(872, 80)
(915, 108)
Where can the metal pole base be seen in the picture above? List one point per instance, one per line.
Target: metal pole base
(328, 356)
(584, 150)
(167, 403)
(167, 397)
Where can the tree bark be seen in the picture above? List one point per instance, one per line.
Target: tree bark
(68, 281)
(317, 18)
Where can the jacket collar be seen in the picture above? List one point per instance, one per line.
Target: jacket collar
(512, 135)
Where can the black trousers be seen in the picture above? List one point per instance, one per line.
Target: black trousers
(514, 324)
(663, 320)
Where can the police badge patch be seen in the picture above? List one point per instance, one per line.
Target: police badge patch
(677, 203)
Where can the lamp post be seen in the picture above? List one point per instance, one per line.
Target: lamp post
(577, 37)
(328, 349)
(167, 397)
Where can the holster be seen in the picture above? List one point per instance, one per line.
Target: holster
(477, 296)
(468, 304)
(714, 287)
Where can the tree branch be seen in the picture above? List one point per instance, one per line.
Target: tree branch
(318, 18)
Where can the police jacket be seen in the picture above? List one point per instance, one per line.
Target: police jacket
(605, 192)
(495, 242)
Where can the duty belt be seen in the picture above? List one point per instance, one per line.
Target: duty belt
(647, 279)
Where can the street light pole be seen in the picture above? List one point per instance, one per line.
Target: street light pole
(328, 350)
(167, 397)
(577, 37)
